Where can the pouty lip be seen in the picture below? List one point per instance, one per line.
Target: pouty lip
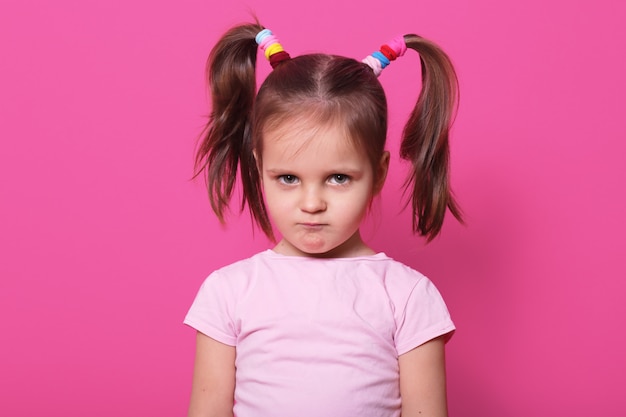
(312, 224)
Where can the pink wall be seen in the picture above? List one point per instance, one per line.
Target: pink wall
(104, 240)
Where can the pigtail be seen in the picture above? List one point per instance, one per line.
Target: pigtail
(226, 141)
(425, 140)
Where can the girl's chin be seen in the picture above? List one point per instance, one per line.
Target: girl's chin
(305, 247)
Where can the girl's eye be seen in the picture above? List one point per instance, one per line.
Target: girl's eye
(288, 179)
(339, 179)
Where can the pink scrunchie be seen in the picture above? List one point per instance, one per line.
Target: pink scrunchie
(374, 64)
(398, 45)
(267, 42)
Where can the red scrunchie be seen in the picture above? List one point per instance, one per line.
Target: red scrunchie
(388, 52)
(278, 57)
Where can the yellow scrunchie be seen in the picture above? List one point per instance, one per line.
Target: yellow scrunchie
(273, 49)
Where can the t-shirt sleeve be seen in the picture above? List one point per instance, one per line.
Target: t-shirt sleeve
(212, 310)
(424, 318)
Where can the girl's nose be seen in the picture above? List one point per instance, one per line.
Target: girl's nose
(312, 200)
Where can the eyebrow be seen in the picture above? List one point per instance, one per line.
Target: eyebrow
(342, 170)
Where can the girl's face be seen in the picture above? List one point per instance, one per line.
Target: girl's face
(317, 190)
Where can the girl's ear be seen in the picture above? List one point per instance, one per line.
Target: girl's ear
(381, 172)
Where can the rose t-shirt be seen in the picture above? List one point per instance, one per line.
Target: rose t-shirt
(318, 337)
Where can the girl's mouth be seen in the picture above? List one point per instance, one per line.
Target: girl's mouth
(312, 226)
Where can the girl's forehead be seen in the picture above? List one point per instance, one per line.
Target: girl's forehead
(323, 141)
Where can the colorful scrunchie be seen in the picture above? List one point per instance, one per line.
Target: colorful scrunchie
(378, 60)
(274, 51)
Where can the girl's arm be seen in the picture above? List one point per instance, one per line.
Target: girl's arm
(423, 380)
(213, 386)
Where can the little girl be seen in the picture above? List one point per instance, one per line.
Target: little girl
(321, 325)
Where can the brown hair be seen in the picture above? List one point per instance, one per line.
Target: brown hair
(330, 89)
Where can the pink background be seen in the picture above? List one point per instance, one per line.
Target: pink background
(104, 240)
